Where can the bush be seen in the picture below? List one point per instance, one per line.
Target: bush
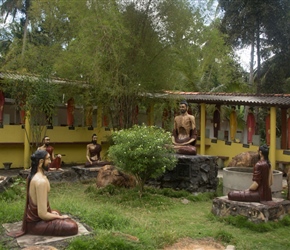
(142, 151)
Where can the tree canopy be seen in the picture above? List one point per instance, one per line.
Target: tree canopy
(264, 24)
(121, 49)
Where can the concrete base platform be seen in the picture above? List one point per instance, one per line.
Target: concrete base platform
(254, 211)
(28, 240)
(84, 173)
(72, 174)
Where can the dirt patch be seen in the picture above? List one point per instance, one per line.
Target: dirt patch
(190, 244)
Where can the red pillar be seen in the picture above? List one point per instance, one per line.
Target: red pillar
(2, 101)
(70, 112)
(251, 124)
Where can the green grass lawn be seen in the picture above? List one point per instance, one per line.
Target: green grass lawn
(120, 219)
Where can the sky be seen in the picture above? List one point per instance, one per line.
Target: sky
(245, 58)
(211, 14)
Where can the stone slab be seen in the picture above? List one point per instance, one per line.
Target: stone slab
(55, 176)
(71, 174)
(5, 182)
(86, 173)
(256, 212)
(28, 240)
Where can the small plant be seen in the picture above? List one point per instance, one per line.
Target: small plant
(224, 236)
(219, 191)
(142, 152)
(15, 191)
(169, 192)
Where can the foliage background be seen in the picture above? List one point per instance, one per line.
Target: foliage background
(120, 49)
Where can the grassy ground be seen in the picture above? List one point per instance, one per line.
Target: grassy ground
(120, 219)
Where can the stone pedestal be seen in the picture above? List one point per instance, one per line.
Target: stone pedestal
(7, 165)
(254, 211)
(194, 173)
(76, 173)
(86, 173)
(55, 176)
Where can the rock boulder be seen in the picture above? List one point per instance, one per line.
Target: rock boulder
(110, 175)
(245, 159)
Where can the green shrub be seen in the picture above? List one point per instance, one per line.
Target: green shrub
(15, 191)
(142, 151)
(285, 221)
(224, 236)
(243, 222)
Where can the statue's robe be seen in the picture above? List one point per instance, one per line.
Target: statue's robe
(56, 162)
(263, 176)
(33, 224)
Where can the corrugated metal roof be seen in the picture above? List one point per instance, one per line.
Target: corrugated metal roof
(281, 100)
(34, 78)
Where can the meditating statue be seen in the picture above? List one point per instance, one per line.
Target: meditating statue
(184, 131)
(55, 160)
(93, 154)
(260, 190)
(38, 217)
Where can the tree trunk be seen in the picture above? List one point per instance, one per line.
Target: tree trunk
(258, 56)
(251, 78)
(24, 40)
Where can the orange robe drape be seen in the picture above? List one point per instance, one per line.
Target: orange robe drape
(251, 122)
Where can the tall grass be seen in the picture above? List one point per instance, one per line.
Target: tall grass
(120, 219)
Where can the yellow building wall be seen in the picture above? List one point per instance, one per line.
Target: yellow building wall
(220, 148)
(12, 145)
(70, 143)
(12, 153)
(12, 134)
